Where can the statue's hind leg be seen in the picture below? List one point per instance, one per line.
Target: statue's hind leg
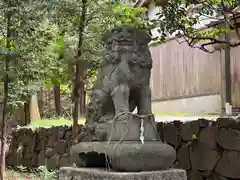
(144, 105)
(95, 109)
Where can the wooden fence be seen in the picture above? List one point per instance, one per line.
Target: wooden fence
(235, 76)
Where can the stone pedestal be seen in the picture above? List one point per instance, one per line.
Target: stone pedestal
(124, 148)
(72, 173)
(130, 156)
(131, 145)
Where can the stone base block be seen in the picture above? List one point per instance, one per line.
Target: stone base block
(72, 173)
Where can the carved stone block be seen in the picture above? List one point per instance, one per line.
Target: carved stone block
(69, 173)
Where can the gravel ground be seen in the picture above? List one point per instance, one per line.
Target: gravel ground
(182, 118)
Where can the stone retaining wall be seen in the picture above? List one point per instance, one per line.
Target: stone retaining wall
(208, 150)
(43, 146)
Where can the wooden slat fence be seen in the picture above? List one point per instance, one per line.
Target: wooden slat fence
(180, 71)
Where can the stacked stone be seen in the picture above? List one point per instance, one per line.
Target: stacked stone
(206, 149)
(43, 146)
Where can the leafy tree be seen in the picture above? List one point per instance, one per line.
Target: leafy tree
(182, 18)
(53, 42)
(86, 21)
(29, 39)
(59, 59)
(22, 41)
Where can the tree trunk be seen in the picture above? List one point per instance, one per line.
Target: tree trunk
(5, 101)
(79, 71)
(82, 100)
(76, 98)
(57, 99)
(26, 113)
(3, 142)
(4, 130)
(40, 100)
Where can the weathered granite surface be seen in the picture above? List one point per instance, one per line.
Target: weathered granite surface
(130, 156)
(126, 151)
(198, 156)
(124, 76)
(72, 173)
(122, 85)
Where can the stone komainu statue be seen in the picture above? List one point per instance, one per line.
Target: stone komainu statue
(123, 79)
(128, 142)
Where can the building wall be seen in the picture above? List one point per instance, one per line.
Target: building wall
(180, 71)
(184, 79)
(187, 79)
(195, 105)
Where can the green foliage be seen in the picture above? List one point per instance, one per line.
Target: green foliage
(21, 30)
(99, 16)
(47, 175)
(194, 137)
(57, 121)
(126, 14)
(183, 17)
(44, 37)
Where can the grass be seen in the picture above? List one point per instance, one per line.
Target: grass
(61, 121)
(17, 175)
(54, 122)
(22, 173)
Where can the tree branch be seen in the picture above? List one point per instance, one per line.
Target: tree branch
(191, 41)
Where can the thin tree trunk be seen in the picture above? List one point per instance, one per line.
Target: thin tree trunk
(27, 112)
(82, 104)
(4, 130)
(40, 100)
(84, 101)
(57, 99)
(5, 100)
(79, 71)
(76, 95)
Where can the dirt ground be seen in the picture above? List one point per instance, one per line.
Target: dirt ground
(17, 175)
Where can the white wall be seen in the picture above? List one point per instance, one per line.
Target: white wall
(195, 106)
